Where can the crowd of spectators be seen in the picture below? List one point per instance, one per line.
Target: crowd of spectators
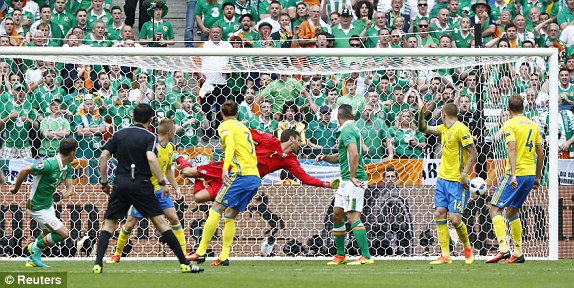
(43, 101)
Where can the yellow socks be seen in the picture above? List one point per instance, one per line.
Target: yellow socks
(208, 230)
(122, 241)
(443, 237)
(516, 231)
(463, 234)
(178, 232)
(500, 231)
(228, 235)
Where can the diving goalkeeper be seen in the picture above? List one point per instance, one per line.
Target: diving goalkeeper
(272, 155)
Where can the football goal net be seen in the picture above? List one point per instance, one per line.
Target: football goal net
(89, 93)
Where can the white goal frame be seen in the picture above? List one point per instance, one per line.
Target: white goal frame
(551, 53)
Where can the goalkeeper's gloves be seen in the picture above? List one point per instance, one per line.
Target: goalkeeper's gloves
(334, 184)
(181, 160)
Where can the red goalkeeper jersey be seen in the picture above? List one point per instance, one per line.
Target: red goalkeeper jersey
(270, 158)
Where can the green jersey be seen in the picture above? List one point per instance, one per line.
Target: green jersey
(373, 134)
(89, 146)
(16, 128)
(150, 29)
(569, 90)
(342, 36)
(43, 97)
(121, 114)
(320, 134)
(402, 138)
(228, 27)
(93, 18)
(209, 12)
(258, 124)
(65, 21)
(282, 91)
(50, 146)
(357, 102)
(48, 174)
(163, 109)
(188, 134)
(438, 31)
(349, 134)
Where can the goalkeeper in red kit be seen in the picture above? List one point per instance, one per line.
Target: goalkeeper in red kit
(272, 155)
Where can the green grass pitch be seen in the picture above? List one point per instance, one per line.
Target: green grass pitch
(272, 274)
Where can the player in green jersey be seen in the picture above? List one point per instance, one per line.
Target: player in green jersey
(48, 174)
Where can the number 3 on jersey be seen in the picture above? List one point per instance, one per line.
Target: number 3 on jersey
(250, 142)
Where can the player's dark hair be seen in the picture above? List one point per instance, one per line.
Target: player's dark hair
(67, 146)
(287, 134)
(450, 110)
(143, 113)
(516, 103)
(345, 112)
(390, 169)
(229, 108)
(116, 8)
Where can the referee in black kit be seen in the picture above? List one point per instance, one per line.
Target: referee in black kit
(135, 149)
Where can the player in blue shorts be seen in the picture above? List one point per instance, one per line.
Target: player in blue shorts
(523, 174)
(451, 192)
(166, 132)
(240, 184)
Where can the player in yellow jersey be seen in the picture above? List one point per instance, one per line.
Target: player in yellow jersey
(523, 174)
(166, 132)
(241, 181)
(451, 191)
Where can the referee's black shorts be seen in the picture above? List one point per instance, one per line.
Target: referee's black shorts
(127, 192)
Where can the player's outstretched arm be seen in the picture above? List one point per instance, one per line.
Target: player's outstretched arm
(331, 158)
(20, 178)
(294, 167)
(422, 123)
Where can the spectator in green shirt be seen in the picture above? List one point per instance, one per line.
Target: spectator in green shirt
(405, 141)
(321, 134)
(53, 128)
(374, 131)
(157, 32)
(188, 121)
(264, 122)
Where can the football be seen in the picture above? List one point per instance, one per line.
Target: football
(477, 186)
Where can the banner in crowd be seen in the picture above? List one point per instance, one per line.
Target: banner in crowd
(566, 171)
(11, 168)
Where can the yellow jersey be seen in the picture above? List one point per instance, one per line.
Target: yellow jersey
(165, 159)
(454, 156)
(238, 147)
(525, 133)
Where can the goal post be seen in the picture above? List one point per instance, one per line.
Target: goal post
(294, 216)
